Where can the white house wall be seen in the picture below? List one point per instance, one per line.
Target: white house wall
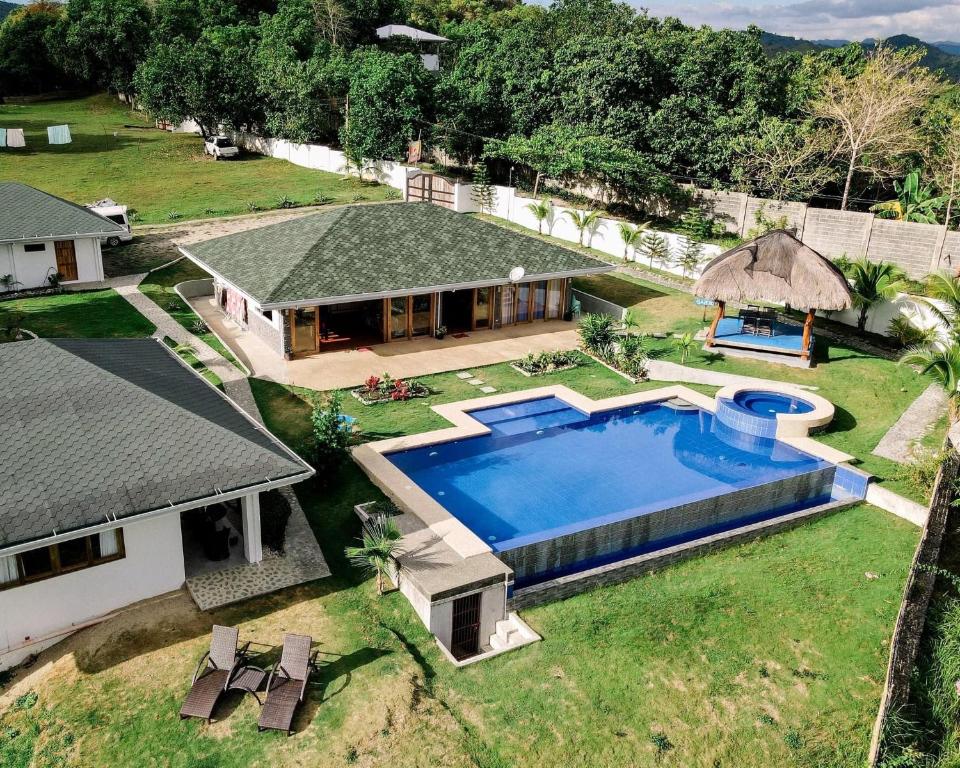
(152, 566)
(31, 269)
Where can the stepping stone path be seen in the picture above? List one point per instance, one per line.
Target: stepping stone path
(465, 375)
(475, 382)
(488, 390)
(900, 442)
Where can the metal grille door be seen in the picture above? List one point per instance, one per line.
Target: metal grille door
(465, 640)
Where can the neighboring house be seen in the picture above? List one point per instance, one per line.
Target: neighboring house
(429, 42)
(369, 274)
(106, 446)
(41, 235)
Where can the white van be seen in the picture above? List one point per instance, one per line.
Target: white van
(109, 209)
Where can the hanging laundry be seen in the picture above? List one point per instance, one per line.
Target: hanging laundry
(15, 137)
(58, 134)
(3, 137)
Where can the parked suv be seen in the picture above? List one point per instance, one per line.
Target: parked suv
(220, 148)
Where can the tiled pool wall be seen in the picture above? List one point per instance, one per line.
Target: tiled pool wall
(570, 552)
(850, 483)
(729, 414)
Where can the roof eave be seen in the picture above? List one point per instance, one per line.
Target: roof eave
(61, 236)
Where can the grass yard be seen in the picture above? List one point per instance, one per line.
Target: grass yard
(117, 153)
(87, 314)
(770, 653)
(159, 286)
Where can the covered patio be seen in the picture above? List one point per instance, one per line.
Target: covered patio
(772, 270)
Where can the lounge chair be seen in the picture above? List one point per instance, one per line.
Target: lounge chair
(287, 684)
(213, 674)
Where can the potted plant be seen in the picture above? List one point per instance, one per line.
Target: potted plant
(440, 332)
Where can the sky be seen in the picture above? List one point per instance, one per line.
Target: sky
(930, 20)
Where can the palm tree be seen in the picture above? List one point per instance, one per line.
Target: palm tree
(541, 211)
(378, 548)
(583, 221)
(684, 344)
(943, 300)
(941, 362)
(632, 235)
(873, 282)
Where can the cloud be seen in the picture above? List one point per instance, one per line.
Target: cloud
(848, 19)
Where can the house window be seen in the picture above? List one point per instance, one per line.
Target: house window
(63, 557)
(66, 259)
(34, 247)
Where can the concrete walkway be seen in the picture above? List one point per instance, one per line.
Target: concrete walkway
(235, 383)
(660, 370)
(914, 423)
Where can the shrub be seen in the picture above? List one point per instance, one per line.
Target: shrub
(393, 194)
(174, 215)
(199, 327)
(546, 362)
(921, 471)
(330, 438)
(908, 335)
(631, 358)
(285, 202)
(274, 513)
(596, 332)
(252, 207)
(358, 197)
(321, 199)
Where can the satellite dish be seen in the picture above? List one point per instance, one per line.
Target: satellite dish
(516, 274)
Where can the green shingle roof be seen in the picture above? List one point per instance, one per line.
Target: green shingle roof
(100, 429)
(27, 213)
(379, 249)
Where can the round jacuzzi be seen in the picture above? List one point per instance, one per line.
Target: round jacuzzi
(769, 405)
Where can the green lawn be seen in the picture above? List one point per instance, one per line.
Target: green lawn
(159, 286)
(89, 314)
(155, 172)
(770, 653)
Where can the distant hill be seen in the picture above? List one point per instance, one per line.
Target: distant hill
(5, 8)
(948, 46)
(936, 58)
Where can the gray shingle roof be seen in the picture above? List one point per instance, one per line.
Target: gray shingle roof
(94, 428)
(377, 249)
(27, 213)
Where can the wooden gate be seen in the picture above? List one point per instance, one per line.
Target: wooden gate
(430, 188)
(465, 638)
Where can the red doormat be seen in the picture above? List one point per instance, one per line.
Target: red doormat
(460, 335)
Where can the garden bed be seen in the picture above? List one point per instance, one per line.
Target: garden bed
(386, 390)
(546, 362)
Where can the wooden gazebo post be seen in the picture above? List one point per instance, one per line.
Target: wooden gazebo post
(807, 331)
(721, 308)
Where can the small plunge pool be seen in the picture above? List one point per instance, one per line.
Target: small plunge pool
(770, 404)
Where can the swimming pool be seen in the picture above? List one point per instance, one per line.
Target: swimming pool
(552, 489)
(769, 404)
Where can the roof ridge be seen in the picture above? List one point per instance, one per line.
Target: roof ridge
(334, 217)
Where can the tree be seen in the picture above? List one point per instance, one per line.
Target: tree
(913, 202)
(332, 21)
(631, 235)
(26, 62)
(378, 549)
(871, 283)
(584, 221)
(482, 192)
(684, 344)
(656, 249)
(871, 117)
(102, 41)
(542, 211)
(691, 256)
(784, 160)
(943, 154)
(330, 436)
(941, 362)
(386, 96)
(942, 299)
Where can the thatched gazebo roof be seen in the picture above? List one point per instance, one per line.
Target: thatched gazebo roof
(775, 268)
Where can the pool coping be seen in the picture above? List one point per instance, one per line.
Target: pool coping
(412, 499)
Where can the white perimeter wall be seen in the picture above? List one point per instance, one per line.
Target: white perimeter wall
(31, 269)
(153, 565)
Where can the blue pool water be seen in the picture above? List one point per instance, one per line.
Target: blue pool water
(769, 404)
(547, 469)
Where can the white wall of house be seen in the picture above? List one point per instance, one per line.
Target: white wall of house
(31, 269)
(153, 565)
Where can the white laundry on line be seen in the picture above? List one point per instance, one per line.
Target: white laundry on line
(15, 137)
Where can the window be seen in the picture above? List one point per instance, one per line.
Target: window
(63, 557)
(34, 247)
(66, 259)
(117, 218)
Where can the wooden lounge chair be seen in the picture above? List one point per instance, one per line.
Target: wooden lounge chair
(213, 674)
(287, 684)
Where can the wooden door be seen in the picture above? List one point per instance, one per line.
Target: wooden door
(465, 637)
(66, 259)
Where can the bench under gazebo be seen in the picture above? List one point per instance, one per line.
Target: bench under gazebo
(773, 269)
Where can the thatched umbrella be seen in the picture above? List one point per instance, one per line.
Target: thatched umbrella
(775, 268)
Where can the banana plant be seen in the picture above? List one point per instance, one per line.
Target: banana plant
(914, 202)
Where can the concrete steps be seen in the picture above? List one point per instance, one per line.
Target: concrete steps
(511, 632)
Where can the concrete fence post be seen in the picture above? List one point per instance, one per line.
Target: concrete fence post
(937, 254)
(867, 234)
(742, 215)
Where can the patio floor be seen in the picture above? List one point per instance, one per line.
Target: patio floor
(787, 338)
(401, 359)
